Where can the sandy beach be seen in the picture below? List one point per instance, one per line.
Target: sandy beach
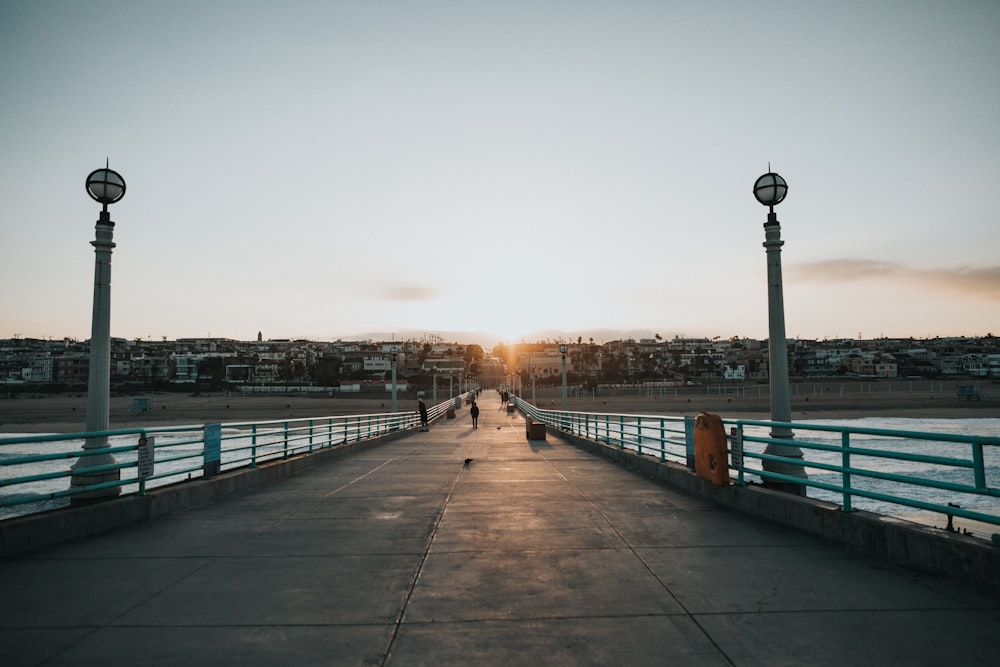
(67, 413)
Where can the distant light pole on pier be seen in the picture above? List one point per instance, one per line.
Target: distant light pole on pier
(393, 353)
(770, 190)
(565, 394)
(533, 401)
(434, 392)
(105, 186)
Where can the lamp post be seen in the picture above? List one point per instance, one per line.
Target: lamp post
(770, 190)
(565, 403)
(105, 186)
(393, 353)
(434, 393)
(533, 401)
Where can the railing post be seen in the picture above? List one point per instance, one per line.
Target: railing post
(689, 441)
(638, 435)
(845, 464)
(310, 436)
(253, 447)
(979, 466)
(285, 451)
(663, 441)
(212, 450)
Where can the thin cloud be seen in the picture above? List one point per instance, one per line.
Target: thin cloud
(408, 294)
(980, 283)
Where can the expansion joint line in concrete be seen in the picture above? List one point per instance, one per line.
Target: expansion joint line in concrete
(361, 477)
(635, 553)
(420, 567)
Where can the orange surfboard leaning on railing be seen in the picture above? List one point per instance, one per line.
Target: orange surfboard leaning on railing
(711, 460)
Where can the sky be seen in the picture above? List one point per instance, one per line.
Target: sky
(501, 171)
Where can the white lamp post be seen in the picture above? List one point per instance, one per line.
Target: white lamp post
(565, 402)
(104, 186)
(393, 353)
(770, 190)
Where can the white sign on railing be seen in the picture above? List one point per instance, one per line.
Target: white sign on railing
(736, 450)
(145, 457)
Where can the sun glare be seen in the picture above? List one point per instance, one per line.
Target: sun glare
(507, 332)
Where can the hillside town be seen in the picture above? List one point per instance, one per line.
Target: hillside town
(358, 366)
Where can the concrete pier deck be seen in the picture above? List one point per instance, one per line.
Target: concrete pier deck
(533, 553)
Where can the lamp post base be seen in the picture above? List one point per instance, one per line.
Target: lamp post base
(789, 466)
(82, 480)
(788, 470)
(786, 487)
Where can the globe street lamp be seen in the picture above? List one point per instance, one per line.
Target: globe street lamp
(565, 402)
(105, 186)
(770, 190)
(393, 353)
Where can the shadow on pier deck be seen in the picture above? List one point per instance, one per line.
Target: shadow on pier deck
(535, 552)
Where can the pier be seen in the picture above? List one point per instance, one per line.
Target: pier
(463, 546)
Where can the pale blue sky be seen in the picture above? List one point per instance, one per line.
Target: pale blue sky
(325, 169)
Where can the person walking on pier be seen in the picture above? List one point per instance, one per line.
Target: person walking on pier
(474, 412)
(422, 409)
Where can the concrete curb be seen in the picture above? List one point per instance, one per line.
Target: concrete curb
(23, 535)
(896, 541)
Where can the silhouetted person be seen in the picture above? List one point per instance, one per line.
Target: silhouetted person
(422, 408)
(474, 411)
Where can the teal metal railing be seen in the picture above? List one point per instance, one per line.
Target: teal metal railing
(951, 474)
(665, 437)
(893, 472)
(35, 473)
